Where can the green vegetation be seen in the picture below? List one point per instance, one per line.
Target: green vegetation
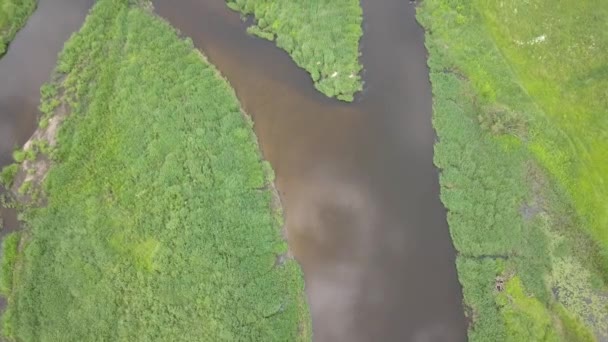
(13, 15)
(520, 107)
(10, 256)
(322, 36)
(159, 223)
(22, 155)
(10, 246)
(7, 176)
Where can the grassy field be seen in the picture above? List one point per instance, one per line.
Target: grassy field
(13, 15)
(520, 107)
(322, 36)
(159, 222)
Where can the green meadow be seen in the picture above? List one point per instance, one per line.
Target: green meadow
(322, 36)
(157, 220)
(521, 111)
(13, 15)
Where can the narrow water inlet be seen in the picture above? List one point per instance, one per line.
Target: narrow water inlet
(357, 181)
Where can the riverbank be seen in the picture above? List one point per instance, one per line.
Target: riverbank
(521, 122)
(321, 37)
(13, 15)
(158, 219)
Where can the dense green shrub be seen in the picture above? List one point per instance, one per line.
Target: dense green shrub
(10, 246)
(532, 257)
(7, 176)
(159, 224)
(322, 36)
(19, 155)
(10, 254)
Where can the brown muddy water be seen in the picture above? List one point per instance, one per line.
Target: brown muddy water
(357, 181)
(358, 185)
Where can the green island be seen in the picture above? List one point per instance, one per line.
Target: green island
(322, 36)
(13, 15)
(520, 108)
(151, 215)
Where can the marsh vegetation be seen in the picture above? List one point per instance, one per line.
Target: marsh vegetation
(322, 36)
(520, 110)
(157, 219)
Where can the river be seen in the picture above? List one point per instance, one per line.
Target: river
(357, 181)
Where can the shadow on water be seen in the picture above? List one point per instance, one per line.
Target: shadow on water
(27, 64)
(358, 184)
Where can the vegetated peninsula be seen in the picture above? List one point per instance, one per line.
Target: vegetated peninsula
(321, 36)
(13, 15)
(521, 110)
(157, 219)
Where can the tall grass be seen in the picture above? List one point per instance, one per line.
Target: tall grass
(13, 15)
(322, 36)
(520, 114)
(159, 224)
(10, 245)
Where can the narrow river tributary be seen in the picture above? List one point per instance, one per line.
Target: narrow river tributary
(357, 181)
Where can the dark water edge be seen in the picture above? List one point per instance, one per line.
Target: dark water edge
(357, 181)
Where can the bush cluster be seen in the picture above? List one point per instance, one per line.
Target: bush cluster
(322, 36)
